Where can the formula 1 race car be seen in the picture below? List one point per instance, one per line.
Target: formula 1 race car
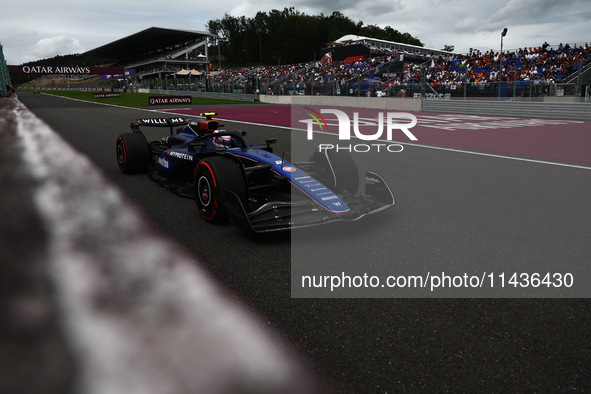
(248, 184)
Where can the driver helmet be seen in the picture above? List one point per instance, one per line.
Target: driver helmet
(223, 141)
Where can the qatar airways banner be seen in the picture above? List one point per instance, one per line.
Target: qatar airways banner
(81, 70)
(106, 95)
(166, 100)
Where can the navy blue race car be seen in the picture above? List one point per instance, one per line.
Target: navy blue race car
(247, 184)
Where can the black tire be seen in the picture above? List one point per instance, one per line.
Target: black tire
(214, 178)
(133, 153)
(336, 170)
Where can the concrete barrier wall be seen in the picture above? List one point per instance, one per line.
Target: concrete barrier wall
(385, 103)
(93, 300)
(543, 109)
(214, 95)
(548, 108)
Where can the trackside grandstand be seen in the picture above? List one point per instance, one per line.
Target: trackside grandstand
(524, 73)
(351, 66)
(151, 53)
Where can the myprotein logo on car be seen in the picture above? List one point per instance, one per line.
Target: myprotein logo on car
(180, 155)
(394, 121)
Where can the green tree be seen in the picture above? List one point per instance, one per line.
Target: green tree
(290, 36)
(339, 25)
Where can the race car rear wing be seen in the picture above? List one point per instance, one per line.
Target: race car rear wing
(159, 122)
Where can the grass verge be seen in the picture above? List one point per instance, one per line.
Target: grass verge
(136, 100)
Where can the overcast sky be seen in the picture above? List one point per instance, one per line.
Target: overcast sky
(39, 29)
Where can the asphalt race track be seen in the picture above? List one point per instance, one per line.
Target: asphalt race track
(381, 345)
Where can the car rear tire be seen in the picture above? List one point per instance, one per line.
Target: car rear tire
(133, 153)
(214, 178)
(336, 170)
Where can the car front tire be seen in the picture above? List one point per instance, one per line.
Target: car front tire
(336, 170)
(214, 178)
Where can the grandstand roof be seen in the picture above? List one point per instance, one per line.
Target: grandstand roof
(376, 42)
(145, 41)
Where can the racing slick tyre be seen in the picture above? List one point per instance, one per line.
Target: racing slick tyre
(214, 178)
(133, 153)
(336, 170)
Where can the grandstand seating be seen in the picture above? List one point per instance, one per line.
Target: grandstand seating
(539, 66)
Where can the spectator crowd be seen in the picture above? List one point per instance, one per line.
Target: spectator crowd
(541, 65)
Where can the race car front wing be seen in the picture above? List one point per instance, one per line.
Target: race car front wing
(301, 213)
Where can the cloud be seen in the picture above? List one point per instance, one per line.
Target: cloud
(462, 23)
(495, 15)
(531, 10)
(59, 45)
